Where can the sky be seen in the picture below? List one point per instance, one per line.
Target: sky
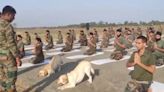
(45, 13)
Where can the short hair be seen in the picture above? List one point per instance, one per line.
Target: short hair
(91, 33)
(26, 32)
(158, 33)
(8, 9)
(105, 30)
(81, 31)
(119, 30)
(38, 39)
(19, 36)
(35, 33)
(68, 33)
(47, 31)
(143, 38)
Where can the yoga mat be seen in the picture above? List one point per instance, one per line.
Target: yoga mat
(84, 56)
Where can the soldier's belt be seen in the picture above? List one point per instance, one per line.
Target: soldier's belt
(142, 82)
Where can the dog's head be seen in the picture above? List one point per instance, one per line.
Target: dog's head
(43, 73)
(62, 80)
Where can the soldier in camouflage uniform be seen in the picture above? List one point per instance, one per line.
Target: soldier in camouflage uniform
(38, 52)
(159, 49)
(105, 39)
(74, 35)
(144, 68)
(91, 45)
(9, 57)
(49, 41)
(60, 38)
(82, 38)
(151, 40)
(20, 46)
(68, 43)
(96, 35)
(0, 14)
(120, 46)
(129, 38)
(27, 38)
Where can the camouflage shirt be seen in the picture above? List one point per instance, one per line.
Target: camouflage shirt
(7, 41)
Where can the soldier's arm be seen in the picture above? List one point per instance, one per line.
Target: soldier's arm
(131, 62)
(11, 43)
(121, 45)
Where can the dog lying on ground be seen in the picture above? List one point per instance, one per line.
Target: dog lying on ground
(70, 79)
(55, 64)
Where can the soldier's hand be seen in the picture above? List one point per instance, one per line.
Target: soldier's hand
(18, 61)
(137, 58)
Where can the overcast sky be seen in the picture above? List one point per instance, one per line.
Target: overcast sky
(36, 13)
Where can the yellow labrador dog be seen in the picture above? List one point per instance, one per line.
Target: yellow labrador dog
(70, 79)
(55, 64)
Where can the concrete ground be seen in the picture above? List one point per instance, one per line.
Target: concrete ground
(110, 77)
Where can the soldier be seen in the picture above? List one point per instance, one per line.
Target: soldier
(96, 35)
(159, 49)
(20, 46)
(74, 35)
(71, 35)
(9, 57)
(0, 14)
(105, 39)
(38, 52)
(68, 43)
(120, 46)
(49, 40)
(144, 68)
(129, 38)
(82, 38)
(27, 38)
(60, 38)
(151, 40)
(91, 45)
(36, 35)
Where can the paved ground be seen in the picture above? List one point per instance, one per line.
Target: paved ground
(110, 77)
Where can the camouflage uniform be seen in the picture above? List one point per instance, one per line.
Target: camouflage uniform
(159, 55)
(105, 40)
(83, 40)
(20, 46)
(60, 39)
(8, 47)
(39, 56)
(141, 78)
(92, 49)
(119, 51)
(68, 44)
(49, 40)
(27, 40)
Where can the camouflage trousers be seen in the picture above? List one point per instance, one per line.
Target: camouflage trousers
(117, 55)
(90, 51)
(66, 49)
(104, 44)
(47, 47)
(8, 75)
(83, 43)
(137, 86)
(59, 41)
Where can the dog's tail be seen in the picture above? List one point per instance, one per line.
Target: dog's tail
(92, 71)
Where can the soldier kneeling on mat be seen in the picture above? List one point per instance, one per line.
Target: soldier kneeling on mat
(68, 43)
(38, 52)
(120, 46)
(159, 49)
(91, 45)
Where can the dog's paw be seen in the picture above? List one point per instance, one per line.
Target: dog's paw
(60, 88)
